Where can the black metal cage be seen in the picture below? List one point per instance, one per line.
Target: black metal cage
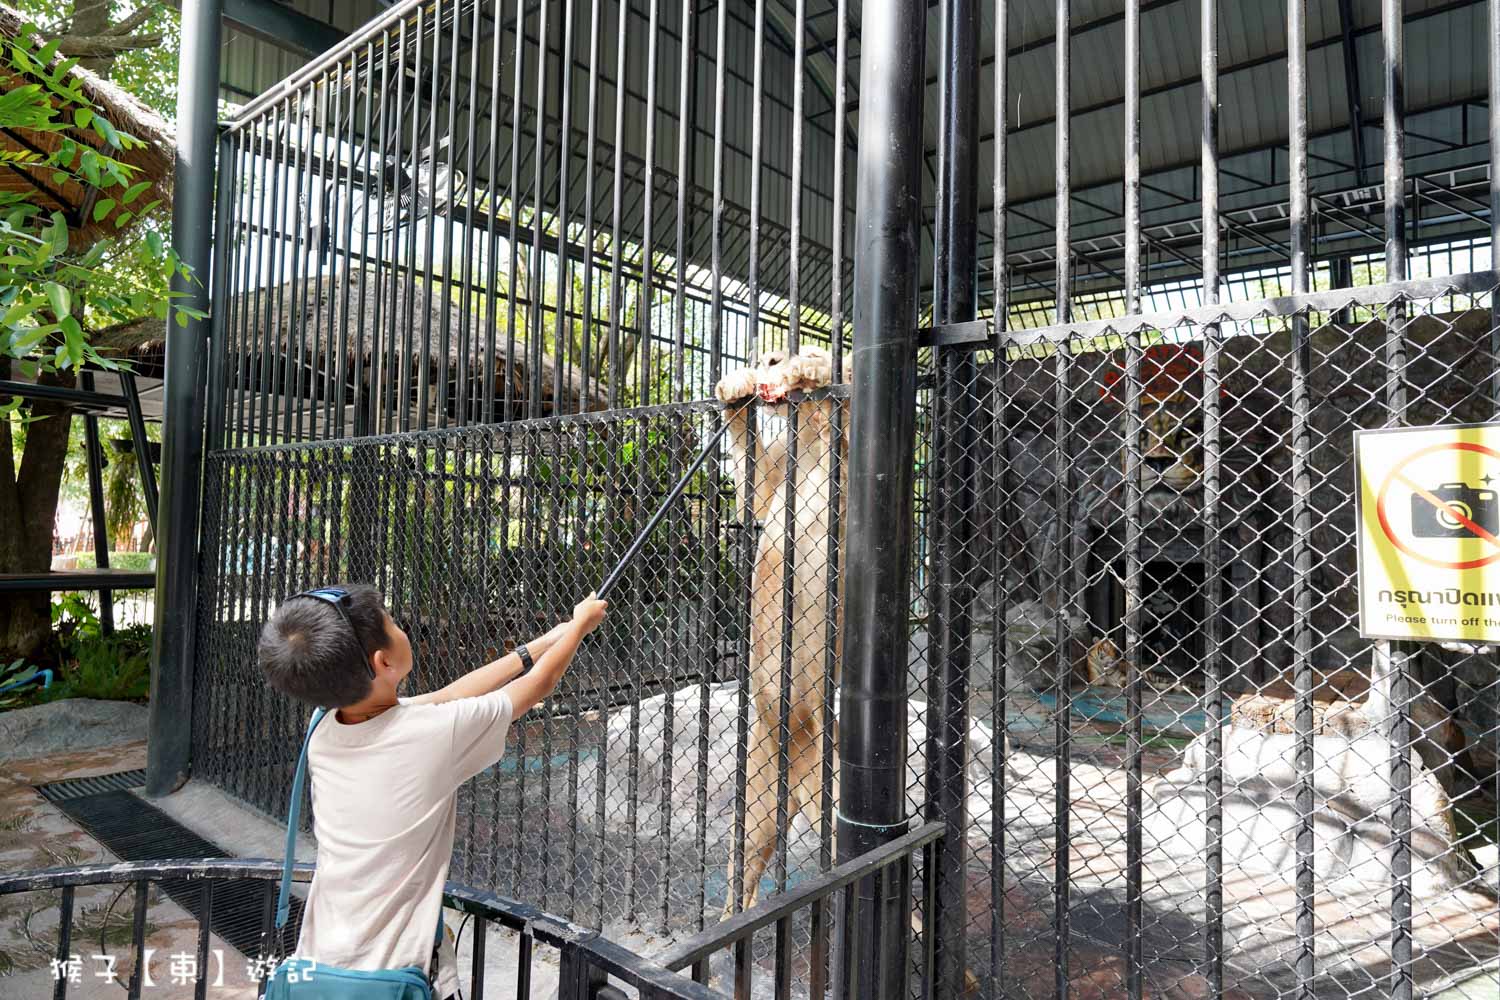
(481, 270)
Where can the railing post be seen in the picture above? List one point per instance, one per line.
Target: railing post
(873, 934)
(169, 747)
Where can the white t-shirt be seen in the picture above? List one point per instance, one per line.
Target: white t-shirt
(385, 799)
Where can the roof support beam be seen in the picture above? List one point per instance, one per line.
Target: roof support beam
(279, 25)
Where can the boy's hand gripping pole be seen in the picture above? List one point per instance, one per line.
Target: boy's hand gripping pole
(640, 540)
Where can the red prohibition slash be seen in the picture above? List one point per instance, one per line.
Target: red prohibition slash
(1453, 512)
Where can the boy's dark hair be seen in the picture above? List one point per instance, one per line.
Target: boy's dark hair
(307, 650)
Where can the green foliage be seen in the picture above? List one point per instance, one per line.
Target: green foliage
(19, 673)
(43, 283)
(95, 665)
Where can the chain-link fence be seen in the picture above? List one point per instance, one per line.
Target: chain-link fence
(696, 720)
(1188, 774)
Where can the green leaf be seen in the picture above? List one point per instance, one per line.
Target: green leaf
(135, 191)
(59, 178)
(106, 131)
(123, 218)
(57, 234)
(49, 51)
(83, 117)
(73, 341)
(102, 208)
(16, 313)
(154, 243)
(159, 308)
(182, 317)
(60, 298)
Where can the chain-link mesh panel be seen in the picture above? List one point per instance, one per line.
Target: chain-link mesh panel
(696, 719)
(1188, 774)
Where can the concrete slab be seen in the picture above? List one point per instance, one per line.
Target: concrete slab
(69, 725)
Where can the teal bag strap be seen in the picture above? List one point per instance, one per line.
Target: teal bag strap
(283, 899)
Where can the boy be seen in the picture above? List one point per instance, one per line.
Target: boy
(385, 769)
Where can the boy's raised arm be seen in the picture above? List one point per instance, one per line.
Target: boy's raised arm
(525, 692)
(493, 675)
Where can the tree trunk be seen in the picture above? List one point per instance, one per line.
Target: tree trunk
(28, 500)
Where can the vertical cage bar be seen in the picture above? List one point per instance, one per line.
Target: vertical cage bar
(757, 119)
(513, 245)
(1062, 193)
(590, 237)
(648, 254)
(276, 350)
(231, 160)
(381, 344)
(467, 319)
(351, 359)
(266, 177)
(794, 241)
(617, 378)
(686, 87)
(1062, 720)
(536, 287)
(408, 280)
(294, 282)
(955, 301)
(1133, 534)
(1213, 819)
(1302, 554)
(789, 556)
(492, 214)
(840, 104)
(425, 373)
(1000, 483)
(563, 333)
(1492, 47)
(749, 543)
(1394, 656)
(318, 240)
(716, 250)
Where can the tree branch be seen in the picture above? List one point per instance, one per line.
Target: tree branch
(134, 21)
(105, 46)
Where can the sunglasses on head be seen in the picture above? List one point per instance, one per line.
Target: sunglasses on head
(342, 602)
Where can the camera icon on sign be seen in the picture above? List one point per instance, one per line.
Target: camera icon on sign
(1480, 507)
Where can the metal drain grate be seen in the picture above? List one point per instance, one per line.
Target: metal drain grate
(135, 830)
(73, 788)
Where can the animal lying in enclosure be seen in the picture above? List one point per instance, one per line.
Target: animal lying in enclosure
(785, 463)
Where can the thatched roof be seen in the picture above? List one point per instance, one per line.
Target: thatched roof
(310, 319)
(153, 159)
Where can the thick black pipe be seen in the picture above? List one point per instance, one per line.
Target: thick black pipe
(872, 696)
(169, 746)
(957, 277)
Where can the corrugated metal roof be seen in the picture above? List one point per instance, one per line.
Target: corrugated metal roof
(1445, 67)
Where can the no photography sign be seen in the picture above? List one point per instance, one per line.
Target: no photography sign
(1429, 532)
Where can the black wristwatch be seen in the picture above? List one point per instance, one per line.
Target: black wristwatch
(526, 661)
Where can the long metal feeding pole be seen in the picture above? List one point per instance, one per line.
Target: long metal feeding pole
(661, 511)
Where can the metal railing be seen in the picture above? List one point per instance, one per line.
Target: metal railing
(838, 884)
(586, 961)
